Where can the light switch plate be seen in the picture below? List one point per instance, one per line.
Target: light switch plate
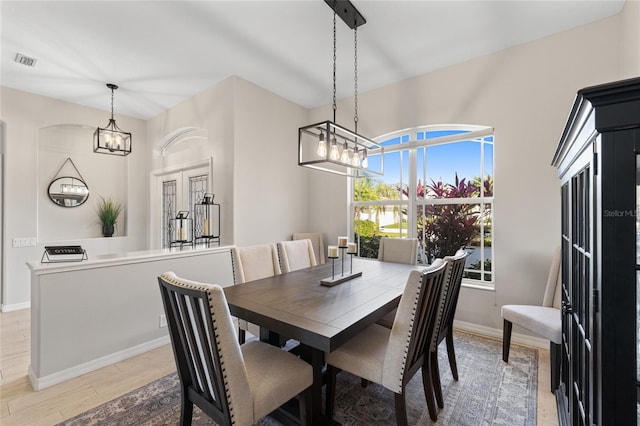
(24, 242)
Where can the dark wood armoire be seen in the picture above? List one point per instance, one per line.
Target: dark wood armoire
(598, 162)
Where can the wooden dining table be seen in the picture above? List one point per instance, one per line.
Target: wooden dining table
(321, 318)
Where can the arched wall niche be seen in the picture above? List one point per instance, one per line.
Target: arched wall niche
(105, 176)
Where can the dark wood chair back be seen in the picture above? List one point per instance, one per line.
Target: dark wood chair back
(444, 320)
(194, 346)
(450, 293)
(424, 325)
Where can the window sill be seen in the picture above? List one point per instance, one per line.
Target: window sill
(478, 285)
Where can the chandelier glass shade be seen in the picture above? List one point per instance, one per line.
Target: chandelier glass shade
(111, 139)
(329, 147)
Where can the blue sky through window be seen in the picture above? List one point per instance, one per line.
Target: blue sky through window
(443, 161)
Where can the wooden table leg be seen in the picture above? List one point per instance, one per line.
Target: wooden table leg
(315, 357)
(269, 337)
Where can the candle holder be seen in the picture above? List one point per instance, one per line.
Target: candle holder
(351, 250)
(206, 224)
(181, 230)
(333, 255)
(333, 267)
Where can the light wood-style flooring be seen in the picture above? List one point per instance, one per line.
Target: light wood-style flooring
(22, 406)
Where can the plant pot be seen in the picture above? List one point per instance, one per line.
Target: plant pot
(107, 230)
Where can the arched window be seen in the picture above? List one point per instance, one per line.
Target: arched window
(437, 186)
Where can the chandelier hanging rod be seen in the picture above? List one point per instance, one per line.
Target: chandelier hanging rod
(347, 12)
(112, 87)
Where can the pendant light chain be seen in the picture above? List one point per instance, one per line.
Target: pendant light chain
(112, 103)
(335, 107)
(355, 77)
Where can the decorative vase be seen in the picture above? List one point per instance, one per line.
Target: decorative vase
(107, 230)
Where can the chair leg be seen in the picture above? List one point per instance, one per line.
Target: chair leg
(330, 392)
(306, 408)
(186, 410)
(556, 356)
(241, 336)
(506, 340)
(435, 378)
(401, 409)
(451, 354)
(427, 385)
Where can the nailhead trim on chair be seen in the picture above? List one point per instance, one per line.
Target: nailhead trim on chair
(216, 338)
(411, 320)
(279, 256)
(445, 289)
(440, 312)
(233, 268)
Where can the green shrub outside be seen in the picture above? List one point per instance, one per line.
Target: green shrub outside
(369, 246)
(366, 228)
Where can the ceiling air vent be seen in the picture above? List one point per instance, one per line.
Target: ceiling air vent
(25, 60)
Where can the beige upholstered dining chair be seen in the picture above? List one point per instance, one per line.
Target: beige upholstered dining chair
(398, 250)
(544, 320)
(296, 254)
(249, 264)
(390, 357)
(230, 382)
(444, 319)
(317, 240)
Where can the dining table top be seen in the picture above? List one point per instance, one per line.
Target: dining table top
(297, 306)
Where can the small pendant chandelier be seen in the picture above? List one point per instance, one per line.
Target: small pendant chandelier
(110, 139)
(328, 146)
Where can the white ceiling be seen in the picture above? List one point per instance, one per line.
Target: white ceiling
(163, 52)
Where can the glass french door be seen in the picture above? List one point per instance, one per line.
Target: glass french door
(178, 191)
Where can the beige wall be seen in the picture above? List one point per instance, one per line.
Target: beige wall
(271, 199)
(525, 93)
(630, 45)
(24, 115)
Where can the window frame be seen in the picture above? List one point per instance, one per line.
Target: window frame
(410, 146)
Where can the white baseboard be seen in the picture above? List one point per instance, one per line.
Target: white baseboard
(16, 307)
(523, 339)
(39, 383)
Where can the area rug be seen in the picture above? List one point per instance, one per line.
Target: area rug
(489, 392)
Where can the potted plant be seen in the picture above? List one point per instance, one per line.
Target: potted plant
(108, 212)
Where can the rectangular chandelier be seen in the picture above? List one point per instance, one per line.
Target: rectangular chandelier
(332, 148)
(111, 140)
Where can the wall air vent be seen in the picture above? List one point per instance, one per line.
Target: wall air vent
(25, 60)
